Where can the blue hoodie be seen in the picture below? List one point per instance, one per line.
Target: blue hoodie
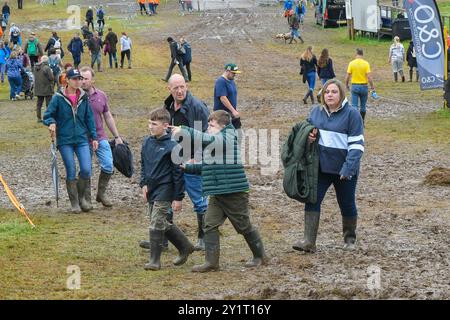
(341, 141)
(163, 178)
(4, 55)
(75, 47)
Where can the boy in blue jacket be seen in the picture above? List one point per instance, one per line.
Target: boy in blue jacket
(162, 186)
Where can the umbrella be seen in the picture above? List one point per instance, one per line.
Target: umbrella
(55, 176)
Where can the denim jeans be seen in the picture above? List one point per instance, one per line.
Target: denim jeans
(193, 186)
(6, 17)
(345, 193)
(105, 157)
(15, 85)
(323, 80)
(112, 56)
(84, 159)
(76, 60)
(360, 92)
(294, 33)
(311, 79)
(2, 71)
(96, 57)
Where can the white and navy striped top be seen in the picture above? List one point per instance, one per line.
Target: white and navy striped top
(341, 140)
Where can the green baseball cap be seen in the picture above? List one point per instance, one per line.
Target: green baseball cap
(232, 67)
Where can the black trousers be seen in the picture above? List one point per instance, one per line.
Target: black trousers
(40, 102)
(122, 57)
(90, 22)
(188, 69)
(33, 60)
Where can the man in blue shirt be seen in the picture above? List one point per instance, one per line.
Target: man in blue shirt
(225, 93)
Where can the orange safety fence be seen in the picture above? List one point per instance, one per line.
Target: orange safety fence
(16, 202)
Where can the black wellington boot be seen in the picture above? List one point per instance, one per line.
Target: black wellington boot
(255, 244)
(349, 231)
(156, 238)
(312, 219)
(212, 253)
(181, 242)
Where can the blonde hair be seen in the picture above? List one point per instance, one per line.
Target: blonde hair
(307, 55)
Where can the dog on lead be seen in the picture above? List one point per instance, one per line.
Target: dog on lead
(286, 37)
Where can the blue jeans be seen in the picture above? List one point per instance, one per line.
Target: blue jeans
(150, 8)
(311, 79)
(84, 159)
(15, 85)
(193, 186)
(112, 56)
(294, 33)
(105, 157)
(76, 60)
(2, 71)
(345, 193)
(6, 17)
(324, 80)
(360, 92)
(96, 57)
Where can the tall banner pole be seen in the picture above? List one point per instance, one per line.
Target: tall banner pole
(427, 34)
(447, 85)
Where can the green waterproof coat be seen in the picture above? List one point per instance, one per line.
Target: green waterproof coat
(301, 164)
(221, 170)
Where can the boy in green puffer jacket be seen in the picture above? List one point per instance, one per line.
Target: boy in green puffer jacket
(224, 180)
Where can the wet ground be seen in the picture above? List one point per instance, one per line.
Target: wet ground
(403, 227)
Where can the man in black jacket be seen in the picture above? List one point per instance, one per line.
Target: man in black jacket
(111, 41)
(176, 56)
(90, 17)
(95, 46)
(187, 110)
(54, 42)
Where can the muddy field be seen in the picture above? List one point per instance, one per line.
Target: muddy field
(403, 227)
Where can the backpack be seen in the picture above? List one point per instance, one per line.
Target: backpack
(57, 43)
(180, 49)
(16, 32)
(32, 48)
(54, 65)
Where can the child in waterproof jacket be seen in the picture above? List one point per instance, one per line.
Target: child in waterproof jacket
(224, 180)
(162, 185)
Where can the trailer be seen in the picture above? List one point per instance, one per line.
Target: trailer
(379, 20)
(330, 12)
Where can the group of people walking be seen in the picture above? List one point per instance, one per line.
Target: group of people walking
(152, 6)
(358, 72)
(295, 15)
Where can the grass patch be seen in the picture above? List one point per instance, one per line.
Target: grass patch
(418, 130)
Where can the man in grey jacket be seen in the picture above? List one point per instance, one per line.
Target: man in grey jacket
(176, 57)
(43, 84)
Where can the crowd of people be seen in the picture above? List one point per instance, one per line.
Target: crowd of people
(36, 68)
(217, 190)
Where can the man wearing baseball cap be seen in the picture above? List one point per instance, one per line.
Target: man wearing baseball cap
(225, 93)
(70, 119)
